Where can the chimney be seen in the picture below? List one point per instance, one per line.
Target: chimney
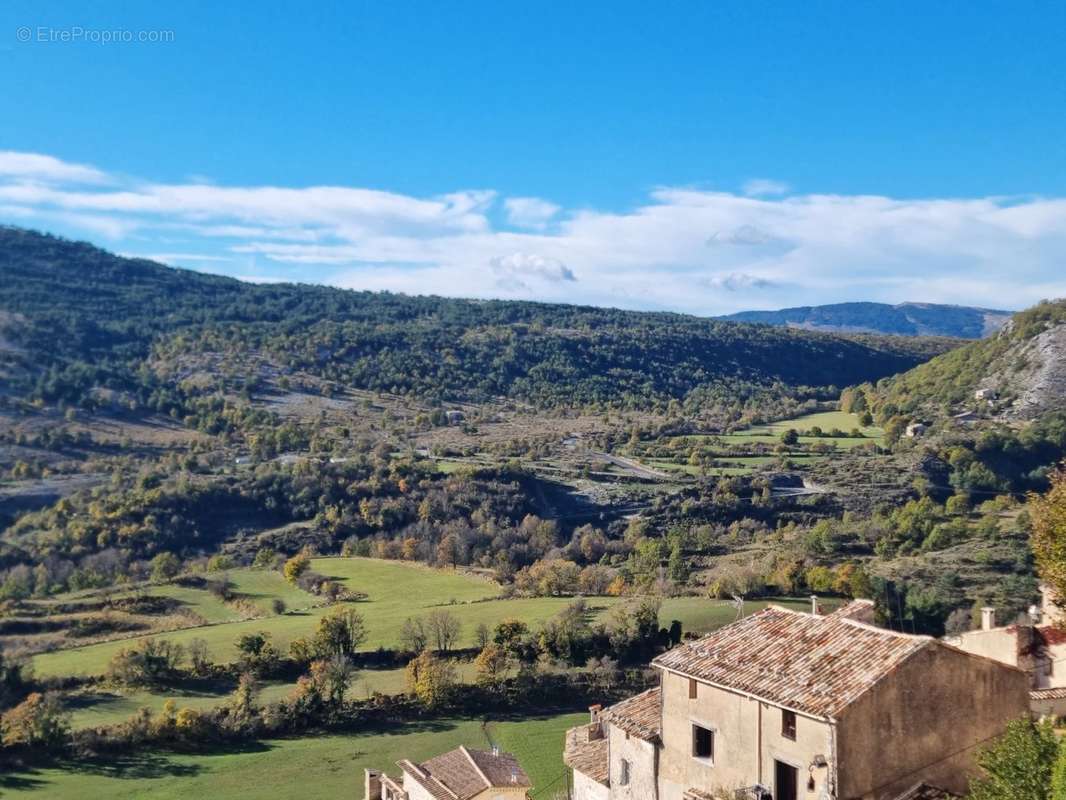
(594, 712)
(1034, 615)
(988, 618)
(495, 751)
(371, 784)
(814, 604)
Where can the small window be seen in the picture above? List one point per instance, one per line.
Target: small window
(692, 688)
(702, 742)
(623, 777)
(788, 724)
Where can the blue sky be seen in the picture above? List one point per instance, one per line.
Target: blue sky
(703, 156)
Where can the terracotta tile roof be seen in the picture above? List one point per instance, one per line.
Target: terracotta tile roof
(814, 665)
(587, 755)
(640, 715)
(1057, 693)
(1052, 635)
(861, 610)
(923, 791)
(463, 773)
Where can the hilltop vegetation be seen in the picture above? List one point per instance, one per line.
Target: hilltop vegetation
(78, 320)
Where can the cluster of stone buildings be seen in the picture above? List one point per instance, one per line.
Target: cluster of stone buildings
(800, 706)
(788, 705)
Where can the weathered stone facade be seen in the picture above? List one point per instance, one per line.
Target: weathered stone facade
(805, 708)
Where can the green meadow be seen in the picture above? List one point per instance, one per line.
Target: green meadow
(395, 591)
(312, 768)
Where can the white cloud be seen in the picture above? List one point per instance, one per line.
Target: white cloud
(514, 270)
(765, 187)
(33, 166)
(529, 212)
(683, 249)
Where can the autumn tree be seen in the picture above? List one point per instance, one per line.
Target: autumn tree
(1048, 539)
(296, 566)
(38, 721)
(340, 633)
(491, 664)
(430, 679)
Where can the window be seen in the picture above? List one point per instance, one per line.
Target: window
(788, 724)
(702, 742)
(692, 688)
(623, 777)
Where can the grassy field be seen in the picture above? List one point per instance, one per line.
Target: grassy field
(312, 768)
(109, 707)
(826, 420)
(395, 591)
(770, 434)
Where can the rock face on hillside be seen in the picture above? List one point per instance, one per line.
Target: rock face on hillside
(1044, 378)
(1017, 374)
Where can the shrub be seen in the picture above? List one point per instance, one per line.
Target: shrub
(296, 566)
(153, 663)
(164, 567)
(38, 721)
(1019, 764)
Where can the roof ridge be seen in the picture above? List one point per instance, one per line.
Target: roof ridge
(421, 775)
(470, 758)
(887, 631)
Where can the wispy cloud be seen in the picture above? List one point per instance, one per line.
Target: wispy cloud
(34, 166)
(681, 248)
(515, 270)
(765, 187)
(529, 212)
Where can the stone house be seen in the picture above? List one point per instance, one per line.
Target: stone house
(916, 429)
(460, 774)
(1035, 644)
(798, 706)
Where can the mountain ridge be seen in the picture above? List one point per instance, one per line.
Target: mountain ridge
(901, 319)
(85, 318)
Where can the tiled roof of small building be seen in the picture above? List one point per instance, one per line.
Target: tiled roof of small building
(923, 791)
(1052, 635)
(586, 751)
(1057, 693)
(463, 773)
(861, 610)
(640, 715)
(811, 664)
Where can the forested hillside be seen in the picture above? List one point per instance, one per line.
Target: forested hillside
(75, 318)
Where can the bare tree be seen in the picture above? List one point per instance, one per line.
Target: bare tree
(444, 629)
(413, 638)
